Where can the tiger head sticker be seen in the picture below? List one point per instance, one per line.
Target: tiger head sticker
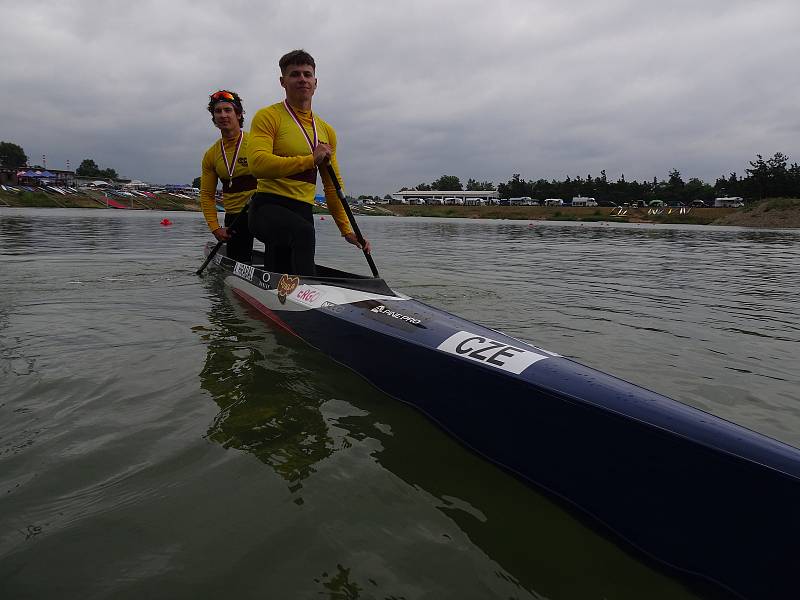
(286, 286)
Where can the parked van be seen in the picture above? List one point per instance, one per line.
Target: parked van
(729, 202)
(583, 201)
(553, 202)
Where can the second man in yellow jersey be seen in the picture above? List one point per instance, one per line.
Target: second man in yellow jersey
(226, 160)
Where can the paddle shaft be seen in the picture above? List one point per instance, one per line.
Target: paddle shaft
(216, 248)
(352, 219)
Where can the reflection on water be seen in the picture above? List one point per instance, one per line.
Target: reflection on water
(266, 407)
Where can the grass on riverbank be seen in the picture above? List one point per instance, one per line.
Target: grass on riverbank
(30, 199)
(93, 199)
(695, 216)
(772, 213)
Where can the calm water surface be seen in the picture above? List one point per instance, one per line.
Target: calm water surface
(157, 439)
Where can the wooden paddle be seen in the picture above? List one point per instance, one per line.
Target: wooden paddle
(352, 219)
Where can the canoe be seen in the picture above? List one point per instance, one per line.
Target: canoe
(707, 498)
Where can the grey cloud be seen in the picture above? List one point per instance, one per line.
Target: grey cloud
(415, 89)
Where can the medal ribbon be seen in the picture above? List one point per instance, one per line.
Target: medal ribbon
(230, 167)
(311, 144)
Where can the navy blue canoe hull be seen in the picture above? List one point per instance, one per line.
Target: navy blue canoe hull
(688, 489)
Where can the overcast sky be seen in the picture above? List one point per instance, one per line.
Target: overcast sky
(415, 89)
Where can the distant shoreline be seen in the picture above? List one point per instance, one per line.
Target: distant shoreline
(777, 213)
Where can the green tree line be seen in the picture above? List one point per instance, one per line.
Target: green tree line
(89, 168)
(12, 156)
(451, 183)
(769, 178)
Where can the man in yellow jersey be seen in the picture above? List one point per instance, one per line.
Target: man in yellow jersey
(288, 146)
(226, 160)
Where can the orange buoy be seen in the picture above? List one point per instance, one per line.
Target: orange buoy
(166, 221)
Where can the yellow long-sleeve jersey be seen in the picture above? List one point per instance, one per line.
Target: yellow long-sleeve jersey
(213, 170)
(281, 159)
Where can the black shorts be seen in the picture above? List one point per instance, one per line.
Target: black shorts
(240, 246)
(286, 226)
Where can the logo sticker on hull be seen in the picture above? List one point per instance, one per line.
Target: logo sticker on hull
(263, 280)
(406, 320)
(492, 353)
(286, 286)
(381, 309)
(333, 307)
(307, 295)
(244, 271)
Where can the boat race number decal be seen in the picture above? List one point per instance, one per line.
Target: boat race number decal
(490, 352)
(286, 286)
(244, 271)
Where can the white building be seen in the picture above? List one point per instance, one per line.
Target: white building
(490, 196)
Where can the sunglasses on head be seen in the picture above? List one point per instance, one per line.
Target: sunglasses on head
(222, 95)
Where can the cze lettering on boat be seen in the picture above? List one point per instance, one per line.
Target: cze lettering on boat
(244, 271)
(490, 352)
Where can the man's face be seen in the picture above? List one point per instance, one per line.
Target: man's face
(299, 82)
(225, 116)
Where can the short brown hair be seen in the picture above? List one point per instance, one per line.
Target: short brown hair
(296, 57)
(236, 102)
